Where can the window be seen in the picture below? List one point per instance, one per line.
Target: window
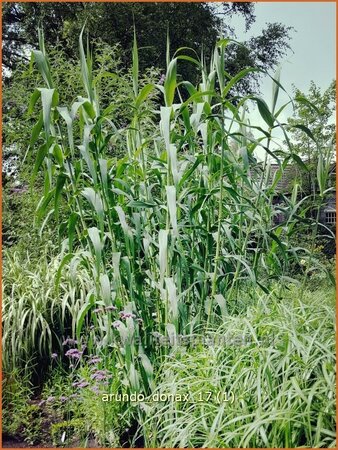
(330, 217)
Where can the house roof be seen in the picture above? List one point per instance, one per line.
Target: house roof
(285, 184)
(291, 175)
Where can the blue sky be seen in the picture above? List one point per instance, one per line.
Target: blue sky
(313, 43)
(313, 55)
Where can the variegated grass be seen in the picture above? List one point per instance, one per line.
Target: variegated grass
(267, 381)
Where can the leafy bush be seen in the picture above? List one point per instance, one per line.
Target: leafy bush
(109, 78)
(114, 87)
(73, 398)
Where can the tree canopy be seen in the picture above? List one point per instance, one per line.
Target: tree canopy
(194, 25)
(315, 111)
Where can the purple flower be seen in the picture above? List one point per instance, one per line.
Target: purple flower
(19, 190)
(162, 79)
(54, 355)
(80, 384)
(63, 398)
(98, 310)
(69, 341)
(74, 353)
(95, 360)
(50, 399)
(100, 375)
(111, 308)
(127, 315)
(95, 389)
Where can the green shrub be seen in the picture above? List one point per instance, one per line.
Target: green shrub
(74, 398)
(21, 418)
(16, 391)
(68, 432)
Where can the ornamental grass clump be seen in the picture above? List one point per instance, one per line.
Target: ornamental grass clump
(171, 232)
(36, 312)
(269, 383)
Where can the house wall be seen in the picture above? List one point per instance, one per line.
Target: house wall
(330, 205)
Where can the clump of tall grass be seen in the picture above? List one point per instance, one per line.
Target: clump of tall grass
(170, 231)
(276, 367)
(37, 314)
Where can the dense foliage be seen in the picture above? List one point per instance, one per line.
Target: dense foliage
(162, 227)
(275, 376)
(196, 25)
(318, 116)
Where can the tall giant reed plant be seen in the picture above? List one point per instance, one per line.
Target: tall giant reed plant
(172, 232)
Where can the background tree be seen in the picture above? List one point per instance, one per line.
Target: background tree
(195, 25)
(320, 120)
(315, 111)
